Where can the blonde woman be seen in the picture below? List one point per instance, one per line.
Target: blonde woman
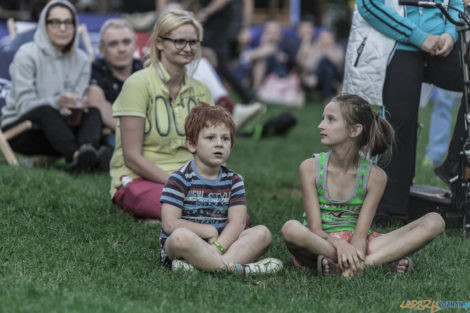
(151, 110)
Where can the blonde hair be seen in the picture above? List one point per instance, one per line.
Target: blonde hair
(167, 22)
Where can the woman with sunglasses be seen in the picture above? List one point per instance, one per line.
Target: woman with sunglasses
(49, 77)
(151, 111)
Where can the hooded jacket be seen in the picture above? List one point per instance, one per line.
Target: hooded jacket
(380, 26)
(40, 73)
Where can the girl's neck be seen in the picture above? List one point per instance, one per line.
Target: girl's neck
(344, 158)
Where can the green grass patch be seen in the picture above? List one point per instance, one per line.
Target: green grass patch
(65, 249)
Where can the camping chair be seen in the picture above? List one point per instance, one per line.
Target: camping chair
(5, 86)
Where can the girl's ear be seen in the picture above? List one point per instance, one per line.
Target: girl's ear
(190, 146)
(356, 130)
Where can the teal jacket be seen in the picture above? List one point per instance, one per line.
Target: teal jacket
(410, 30)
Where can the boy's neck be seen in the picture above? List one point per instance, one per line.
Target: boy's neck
(207, 171)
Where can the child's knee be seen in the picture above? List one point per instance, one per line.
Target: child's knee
(289, 230)
(182, 238)
(435, 223)
(263, 234)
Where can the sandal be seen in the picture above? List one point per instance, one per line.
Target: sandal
(394, 266)
(331, 266)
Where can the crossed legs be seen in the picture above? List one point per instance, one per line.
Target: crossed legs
(306, 246)
(184, 244)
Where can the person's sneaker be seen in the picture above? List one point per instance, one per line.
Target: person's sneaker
(103, 156)
(181, 265)
(265, 266)
(243, 113)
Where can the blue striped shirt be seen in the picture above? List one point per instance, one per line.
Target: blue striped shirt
(202, 200)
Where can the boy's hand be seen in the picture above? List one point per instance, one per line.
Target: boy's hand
(212, 234)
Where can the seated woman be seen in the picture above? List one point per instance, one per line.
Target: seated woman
(151, 111)
(49, 77)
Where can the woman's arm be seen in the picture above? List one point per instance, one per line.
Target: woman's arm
(171, 220)
(132, 138)
(23, 78)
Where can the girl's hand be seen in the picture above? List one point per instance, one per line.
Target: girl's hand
(348, 256)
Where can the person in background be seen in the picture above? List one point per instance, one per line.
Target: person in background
(151, 109)
(117, 47)
(440, 126)
(320, 60)
(49, 79)
(269, 57)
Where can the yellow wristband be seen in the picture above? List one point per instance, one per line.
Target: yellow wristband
(219, 246)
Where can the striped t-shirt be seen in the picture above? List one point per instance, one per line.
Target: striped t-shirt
(202, 200)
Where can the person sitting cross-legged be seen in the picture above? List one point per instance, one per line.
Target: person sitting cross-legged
(204, 206)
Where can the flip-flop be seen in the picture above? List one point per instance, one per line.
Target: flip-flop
(394, 266)
(331, 266)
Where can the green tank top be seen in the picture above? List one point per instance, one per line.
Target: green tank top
(339, 215)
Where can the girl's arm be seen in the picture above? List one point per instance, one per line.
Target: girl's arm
(171, 220)
(375, 190)
(310, 197)
(132, 138)
(236, 224)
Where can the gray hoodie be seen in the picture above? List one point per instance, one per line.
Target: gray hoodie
(40, 74)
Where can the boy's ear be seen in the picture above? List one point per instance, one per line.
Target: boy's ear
(356, 130)
(190, 146)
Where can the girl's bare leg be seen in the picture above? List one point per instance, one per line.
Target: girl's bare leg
(305, 245)
(405, 240)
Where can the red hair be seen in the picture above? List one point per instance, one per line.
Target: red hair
(204, 115)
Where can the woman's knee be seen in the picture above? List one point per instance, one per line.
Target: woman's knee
(290, 231)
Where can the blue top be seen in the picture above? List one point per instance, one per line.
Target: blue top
(202, 200)
(410, 30)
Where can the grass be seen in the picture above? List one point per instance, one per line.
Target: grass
(65, 249)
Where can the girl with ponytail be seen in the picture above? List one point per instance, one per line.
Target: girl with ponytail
(341, 189)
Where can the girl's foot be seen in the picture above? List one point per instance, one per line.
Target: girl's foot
(326, 266)
(401, 266)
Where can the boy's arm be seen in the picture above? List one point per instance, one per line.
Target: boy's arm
(171, 220)
(236, 224)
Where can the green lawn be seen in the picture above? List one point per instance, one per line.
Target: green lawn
(65, 249)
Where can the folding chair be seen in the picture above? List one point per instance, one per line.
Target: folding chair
(5, 86)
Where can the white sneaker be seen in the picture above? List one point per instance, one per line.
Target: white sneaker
(243, 113)
(181, 265)
(265, 266)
